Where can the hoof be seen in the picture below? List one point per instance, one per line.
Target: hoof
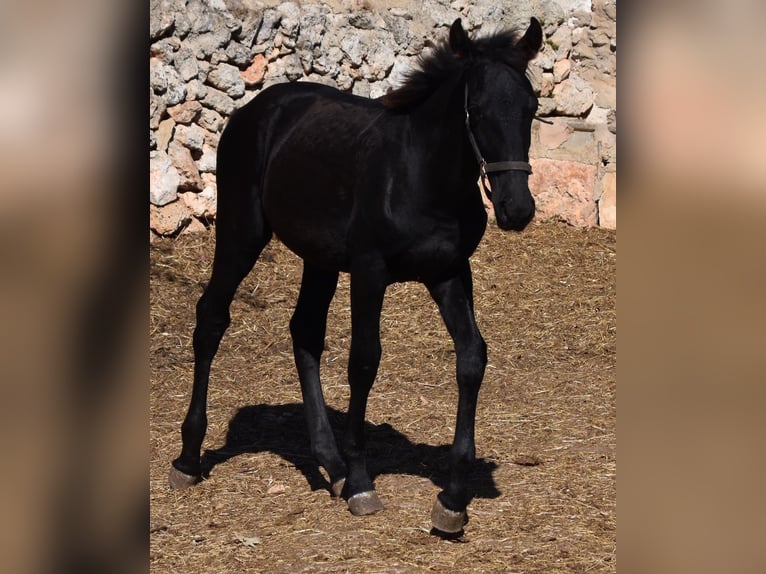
(446, 520)
(180, 480)
(365, 503)
(337, 487)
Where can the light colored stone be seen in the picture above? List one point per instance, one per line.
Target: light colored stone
(552, 136)
(191, 136)
(210, 120)
(535, 76)
(160, 18)
(353, 46)
(573, 96)
(362, 19)
(268, 27)
(598, 37)
(546, 106)
(238, 54)
(157, 107)
(209, 179)
(561, 42)
(227, 78)
(606, 62)
(381, 57)
(290, 18)
(546, 85)
(195, 90)
(293, 69)
(379, 89)
(606, 93)
(195, 226)
(578, 34)
(183, 25)
(205, 45)
(584, 51)
(206, 162)
(312, 27)
(575, 5)
(165, 80)
(186, 64)
(564, 189)
(165, 133)
(165, 49)
(328, 62)
(561, 70)
(607, 204)
(545, 58)
(566, 144)
(361, 88)
(186, 112)
(211, 139)
(218, 57)
(200, 204)
(250, 21)
(187, 168)
(604, 13)
(255, 73)
(218, 101)
(202, 19)
(163, 179)
(169, 219)
(221, 10)
(157, 76)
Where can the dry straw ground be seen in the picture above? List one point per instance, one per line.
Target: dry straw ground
(545, 481)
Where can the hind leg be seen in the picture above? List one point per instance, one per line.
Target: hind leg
(308, 327)
(234, 258)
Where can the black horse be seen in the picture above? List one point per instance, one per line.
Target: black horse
(386, 191)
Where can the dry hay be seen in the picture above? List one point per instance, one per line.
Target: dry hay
(545, 479)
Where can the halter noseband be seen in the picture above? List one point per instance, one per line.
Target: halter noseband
(484, 167)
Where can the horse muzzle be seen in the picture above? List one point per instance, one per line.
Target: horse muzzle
(514, 213)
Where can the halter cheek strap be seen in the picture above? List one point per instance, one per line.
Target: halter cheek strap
(495, 166)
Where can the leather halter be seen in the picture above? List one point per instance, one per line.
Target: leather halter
(495, 166)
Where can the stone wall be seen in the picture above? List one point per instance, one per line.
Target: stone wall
(210, 57)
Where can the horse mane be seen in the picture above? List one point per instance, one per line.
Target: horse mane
(437, 64)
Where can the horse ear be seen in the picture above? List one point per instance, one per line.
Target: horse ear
(459, 42)
(532, 39)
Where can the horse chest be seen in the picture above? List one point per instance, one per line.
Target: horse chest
(435, 252)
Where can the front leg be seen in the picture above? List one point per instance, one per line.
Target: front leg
(367, 292)
(455, 300)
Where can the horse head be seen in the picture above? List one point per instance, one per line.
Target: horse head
(500, 105)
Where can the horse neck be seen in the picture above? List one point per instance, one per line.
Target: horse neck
(441, 118)
(443, 108)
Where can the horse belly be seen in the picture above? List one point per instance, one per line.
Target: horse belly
(310, 215)
(323, 247)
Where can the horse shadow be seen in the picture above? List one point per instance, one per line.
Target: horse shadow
(281, 429)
